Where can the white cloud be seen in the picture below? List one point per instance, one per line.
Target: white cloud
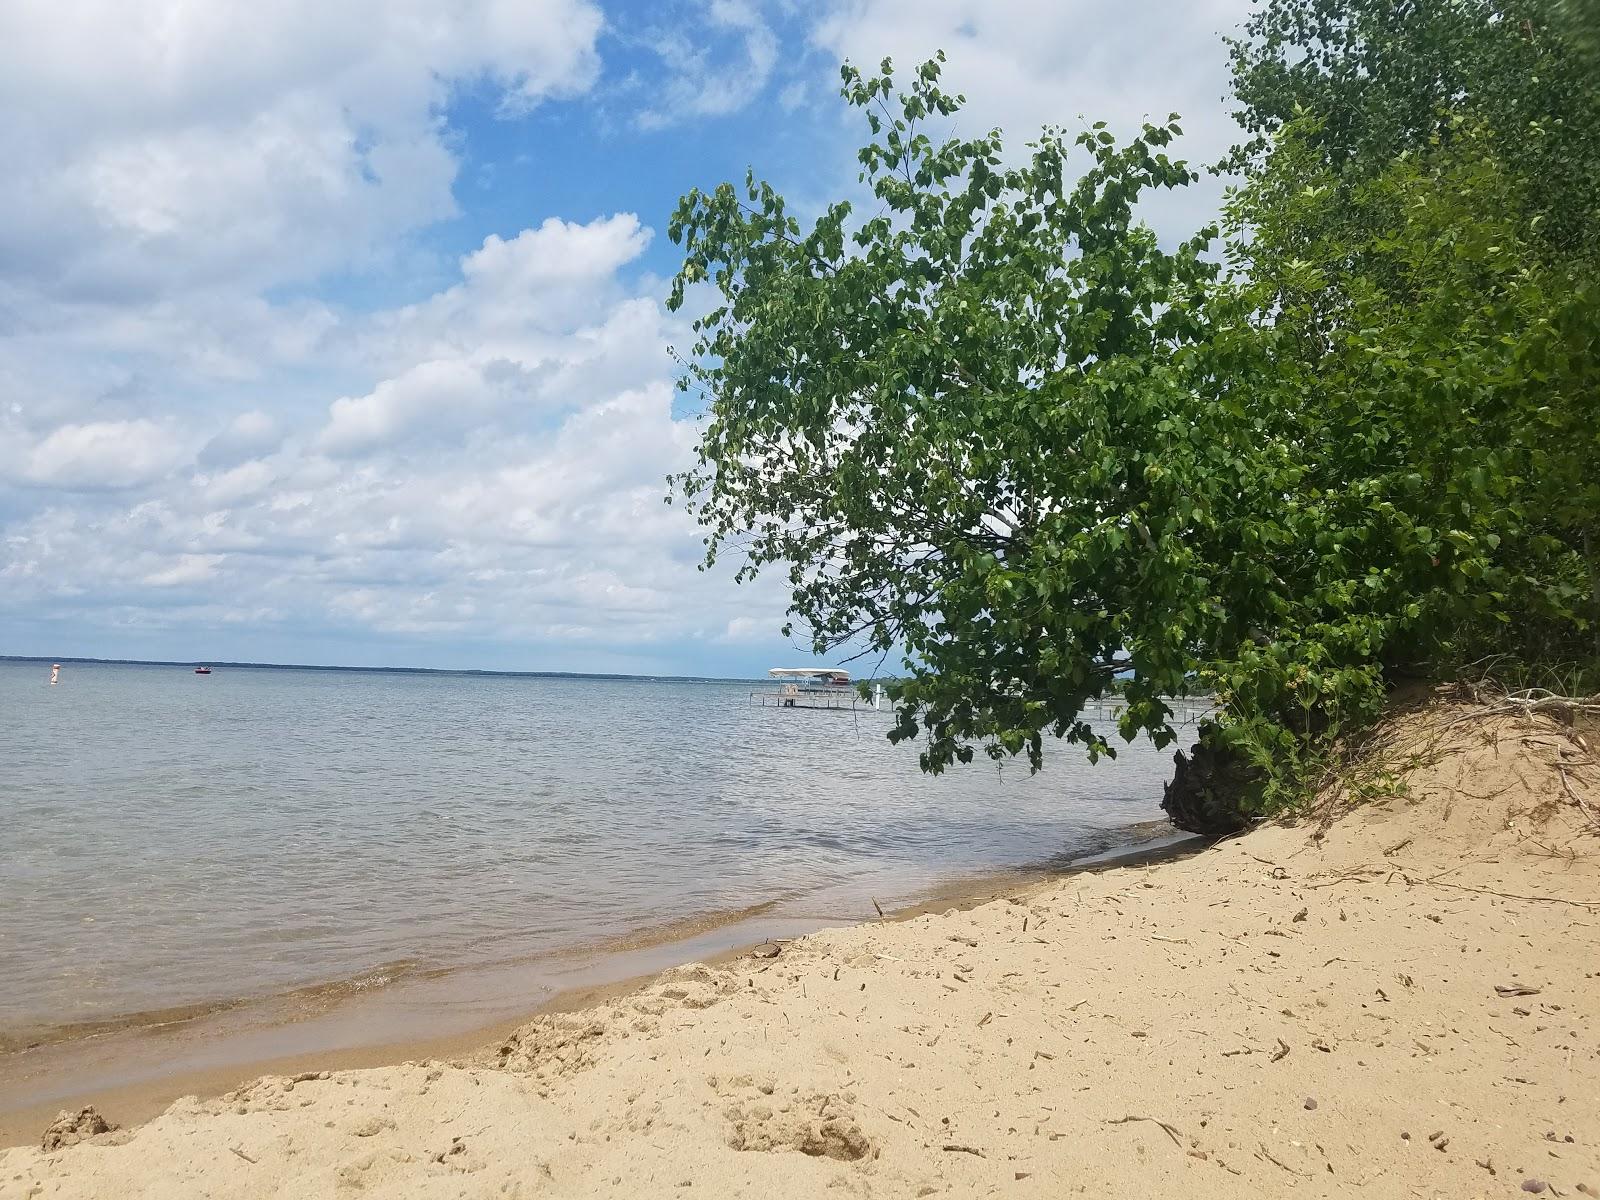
(428, 393)
(1024, 64)
(155, 145)
(188, 570)
(184, 417)
(540, 323)
(519, 298)
(558, 252)
(518, 496)
(243, 482)
(103, 454)
(703, 79)
(752, 631)
(248, 435)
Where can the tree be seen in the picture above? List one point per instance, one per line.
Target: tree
(966, 423)
(1579, 21)
(1434, 378)
(997, 428)
(1435, 170)
(1383, 78)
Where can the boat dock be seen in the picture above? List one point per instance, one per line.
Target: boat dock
(799, 697)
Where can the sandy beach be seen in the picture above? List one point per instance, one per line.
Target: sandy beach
(1399, 998)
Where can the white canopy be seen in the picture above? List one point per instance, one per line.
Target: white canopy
(807, 673)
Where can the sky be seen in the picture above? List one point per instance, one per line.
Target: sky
(334, 332)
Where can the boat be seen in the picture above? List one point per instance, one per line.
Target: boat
(202, 670)
(807, 687)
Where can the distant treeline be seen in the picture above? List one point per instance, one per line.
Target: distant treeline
(260, 666)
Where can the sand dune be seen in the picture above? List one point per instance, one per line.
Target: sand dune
(1401, 1001)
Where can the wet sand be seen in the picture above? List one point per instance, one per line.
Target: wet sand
(139, 1065)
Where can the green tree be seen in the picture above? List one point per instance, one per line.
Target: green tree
(1382, 78)
(1434, 378)
(996, 427)
(965, 424)
(1433, 171)
(1579, 21)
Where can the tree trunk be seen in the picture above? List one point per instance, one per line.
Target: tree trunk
(1211, 790)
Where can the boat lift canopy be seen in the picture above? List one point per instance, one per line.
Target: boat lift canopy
(808, 673)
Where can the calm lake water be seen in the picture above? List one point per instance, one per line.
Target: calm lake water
(168, 839)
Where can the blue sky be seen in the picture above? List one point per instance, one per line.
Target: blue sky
(333, 333)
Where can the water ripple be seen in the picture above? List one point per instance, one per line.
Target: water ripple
(175, 840)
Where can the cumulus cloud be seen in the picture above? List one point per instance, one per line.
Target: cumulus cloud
(243, 482)
(103, 454)
(558, 252)
(1023, 64)
(519, 299)
(156, 146)
(430, 392)
(188, 570)
(198, 436)
(538, 324)
(502, 474)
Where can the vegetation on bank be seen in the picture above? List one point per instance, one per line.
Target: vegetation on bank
(990, 423)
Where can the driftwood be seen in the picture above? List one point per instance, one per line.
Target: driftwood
(1527, 702)
(1566, 784)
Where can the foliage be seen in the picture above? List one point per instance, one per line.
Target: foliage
(1418, 229)
(1383, 78)
(1435, 378)
(1579, 22)
(997, 428)
(965, 422)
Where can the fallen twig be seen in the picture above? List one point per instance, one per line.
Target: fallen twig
(1515, 989)
(1349, 876)
(1527, 703)
(1284, 1165)
(1461, 887)
(1171, 1132)
(1561, 771)
(966, 1150)
(242, 1154)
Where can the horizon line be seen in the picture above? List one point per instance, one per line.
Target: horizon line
(272, 666)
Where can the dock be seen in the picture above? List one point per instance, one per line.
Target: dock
(843, 700)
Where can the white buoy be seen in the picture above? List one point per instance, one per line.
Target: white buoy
(55, 673)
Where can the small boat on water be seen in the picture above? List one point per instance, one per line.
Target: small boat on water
(202, 670)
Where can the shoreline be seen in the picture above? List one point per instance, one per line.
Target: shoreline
(1390, 999)
(141, 1067)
